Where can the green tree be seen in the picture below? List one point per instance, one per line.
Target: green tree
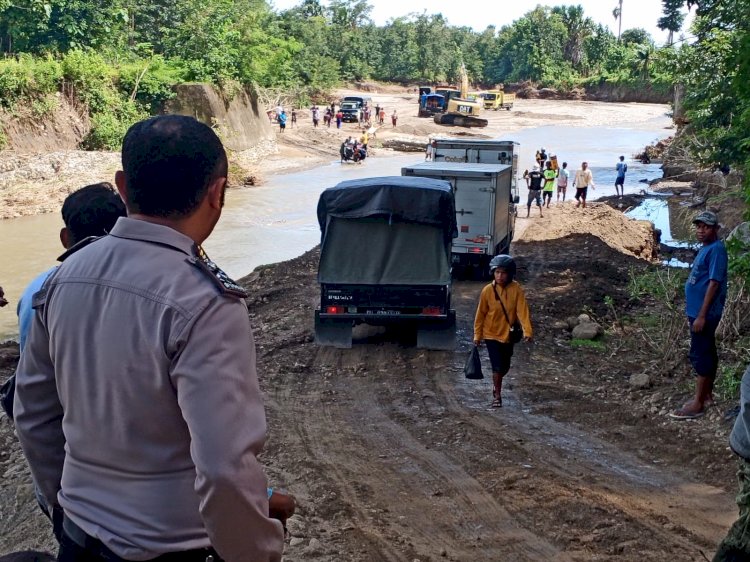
(636, 36)
(61, 25)
(579, 29)
(672, 19)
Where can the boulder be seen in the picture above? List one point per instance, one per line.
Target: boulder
(560, 325)
(584, 318)
(587, 331)
(640, 380)
(572, 322)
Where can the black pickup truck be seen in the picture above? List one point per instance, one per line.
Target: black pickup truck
(385, 258)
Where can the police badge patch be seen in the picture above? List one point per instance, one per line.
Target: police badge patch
(227, 285)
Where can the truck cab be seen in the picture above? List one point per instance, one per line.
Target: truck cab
(351, 112)
(498, 99)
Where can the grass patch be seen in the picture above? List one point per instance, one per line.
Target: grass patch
(728, 380)
(647, 321)
(588, 344)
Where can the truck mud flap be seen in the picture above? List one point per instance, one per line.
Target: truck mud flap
(437, 336)
(333, 333)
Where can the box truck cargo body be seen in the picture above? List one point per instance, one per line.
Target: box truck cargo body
(485, 209)
(479, 152)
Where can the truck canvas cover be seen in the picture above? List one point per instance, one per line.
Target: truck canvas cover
(388, 230)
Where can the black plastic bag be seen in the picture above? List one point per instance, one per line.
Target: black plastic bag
(473, 367)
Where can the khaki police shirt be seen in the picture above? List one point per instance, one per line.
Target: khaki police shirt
(137, 401)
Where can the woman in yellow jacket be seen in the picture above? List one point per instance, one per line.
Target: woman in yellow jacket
(501, 303)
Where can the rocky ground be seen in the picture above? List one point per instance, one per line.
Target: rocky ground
(394, 455)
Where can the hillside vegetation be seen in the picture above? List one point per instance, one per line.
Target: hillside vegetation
(120, 58)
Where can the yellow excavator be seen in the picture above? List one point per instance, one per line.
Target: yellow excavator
(460, 111)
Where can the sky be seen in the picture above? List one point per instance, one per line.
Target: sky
(479, 14)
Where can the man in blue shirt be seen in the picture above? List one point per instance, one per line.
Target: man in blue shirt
(621, 168)
(705, 294)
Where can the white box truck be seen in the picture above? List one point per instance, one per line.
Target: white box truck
(485, 211)
(478, 151)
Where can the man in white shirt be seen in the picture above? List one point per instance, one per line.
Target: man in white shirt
(584, 180)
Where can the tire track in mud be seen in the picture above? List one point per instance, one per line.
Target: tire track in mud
(403, 493)
(396, 457)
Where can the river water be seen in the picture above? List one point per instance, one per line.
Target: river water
(277, 221)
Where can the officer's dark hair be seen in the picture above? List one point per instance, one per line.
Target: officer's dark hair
(91, 211)
(169, 161)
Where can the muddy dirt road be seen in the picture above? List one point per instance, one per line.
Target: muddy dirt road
(394, 456)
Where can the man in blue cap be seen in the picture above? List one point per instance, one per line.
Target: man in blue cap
(705, 294)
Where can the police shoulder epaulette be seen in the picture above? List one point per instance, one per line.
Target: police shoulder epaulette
(227, 285)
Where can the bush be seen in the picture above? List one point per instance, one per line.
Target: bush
(152, 80)
(28, 78)
(108, 128)
(91, 78)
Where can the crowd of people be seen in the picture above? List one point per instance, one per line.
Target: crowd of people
(548, 176)
(368, 116)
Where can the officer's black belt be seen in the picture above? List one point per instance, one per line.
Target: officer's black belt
(99, 549)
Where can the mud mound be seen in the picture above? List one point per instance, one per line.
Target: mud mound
(626, 235)
(574, 273)
(61, 129)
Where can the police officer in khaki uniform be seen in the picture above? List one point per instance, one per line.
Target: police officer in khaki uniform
(137, 403)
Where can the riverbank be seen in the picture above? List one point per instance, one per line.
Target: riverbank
(36, 184)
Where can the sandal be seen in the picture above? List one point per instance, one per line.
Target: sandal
(497, 403)
(682, 415)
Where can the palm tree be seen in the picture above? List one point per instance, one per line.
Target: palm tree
(579, 29)
(617, 12)
(644, 57)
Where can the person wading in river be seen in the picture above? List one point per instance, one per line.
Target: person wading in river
(501, 303)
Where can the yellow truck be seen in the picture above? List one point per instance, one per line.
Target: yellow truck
(498, 99)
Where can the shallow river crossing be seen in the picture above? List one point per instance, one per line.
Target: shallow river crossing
(277, 221)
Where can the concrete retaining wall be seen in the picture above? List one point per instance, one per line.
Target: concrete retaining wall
(240, 122)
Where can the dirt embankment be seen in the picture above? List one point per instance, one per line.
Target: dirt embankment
(602, 92)
(631, 237)
(394, 456)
